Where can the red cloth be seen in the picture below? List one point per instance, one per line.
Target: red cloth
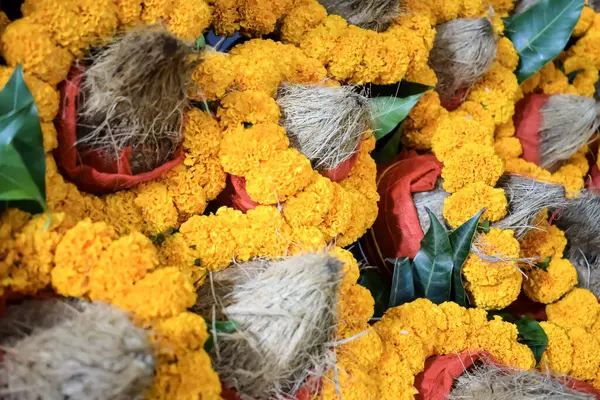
(454, 102)
(525, 306)
(234, 195)
(436, 381)
(594, 182)
(397, 231)
(89, 170)
(528, 120)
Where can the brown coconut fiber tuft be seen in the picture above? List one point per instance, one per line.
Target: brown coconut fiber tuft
(375, 15)
(285, 316)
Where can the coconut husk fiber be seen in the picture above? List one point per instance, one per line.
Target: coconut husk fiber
(60, 349)
(375, 15)
(285, 316)
(463, 51)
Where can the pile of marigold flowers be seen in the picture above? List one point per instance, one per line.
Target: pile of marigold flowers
(244, 190)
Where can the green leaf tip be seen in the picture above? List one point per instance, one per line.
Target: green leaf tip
(403, 285)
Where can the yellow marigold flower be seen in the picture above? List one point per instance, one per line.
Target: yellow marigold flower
(202, 136)
(499, 296)
(363, 214)
(453, 339)
(585, 21)
(355, 308)
(49, 133)
(101, 19)
(269, 230)
(541, 243)
(185, 191)
(526, 168)
(77, 253)
(385, 59)
(554, 81)
(394, 332)
(508, 147)
(469, 164)
(321, 41)
(129, 12)
(585, 82)
(213, 76)
(351, 382)
(478, 317)
(310, 207)
(462, 126)
(497, 92)
(156, 10)
(35, 246)
(243, 150)
(184, 369)
(46, 97)
(468, 201)
(247, 107)
(364, 347)
(172, 293)
(210, 175)
(499, 338)
(350, 270)
(125, 261)
(548, 286)
(579, 308)
(300, 20)
(282, 176)
(424, 318)
(394, 379)
(505, 130)
(13, 220)
(157, 208)
(122, 212)
(506, 54)
(423, 120)
(473, 9)
(559, 353)
(571, 178)
(188, 19)
(4, 21)
(502, 7)
(586, 354)
(28, 43)
(176, 251)
(445, 11)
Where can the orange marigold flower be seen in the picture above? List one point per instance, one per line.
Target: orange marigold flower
(453, 339)
(300, 20)
(210, 175)
(579, 308)
(586, 354)
(77, 253)
(186, 192)
(585, 21)
(350, 270)
(321, 41)
(468, 201)
(508, 147)
(202, 136)
(129, 12)
(395, 333)
(188, 19)
(559, 353)
(310, 207)
(351, 382)
(156, 206)
(365, 348)
(522, 167)
(50, 139)
(28, 43)
(156, 10)
(355, 309)
(247, 107)
(541, 243)
(213, 76)
(550, 285)
(571, 178)
(507, 54)
(505, 130)
(394, 379)
(122, 212)
(471, 163)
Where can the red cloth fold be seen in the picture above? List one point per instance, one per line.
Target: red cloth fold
(528, 120)
(90, 170)
(397, 231)
(594, 180)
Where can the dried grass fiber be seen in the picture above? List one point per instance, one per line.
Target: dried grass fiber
(376, 15)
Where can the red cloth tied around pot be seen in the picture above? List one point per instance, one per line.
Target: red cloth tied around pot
(89, 170)
(437, 379)
(594, 181)
(397, 231)
(234, 195)
(527, 121)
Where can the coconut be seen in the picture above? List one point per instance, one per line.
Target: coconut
(463, 51)
(526, 199)
(285, 317)
(376, 15)
(524, 5)
(69, 349)
(134, 95)
(568, 123)
(434, 201)
(580, 220)
(485, 381)
(326, 124)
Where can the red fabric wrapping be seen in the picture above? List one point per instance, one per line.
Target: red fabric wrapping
(435, 382)
(454, 102)
(234, 195)
(89, 170)
(594, 182)
(397, 231)
(527, 120)
(525, 306)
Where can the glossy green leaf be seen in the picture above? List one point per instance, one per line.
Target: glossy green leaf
(370, 279)
(391, 148)
(541, 33)
(22, 159)
(533, 335)
(461, 239)
(219, 327)
(544, 264)
(388, 111)
(433, 264)
(403, 285)
(200, 42)
(484, 226)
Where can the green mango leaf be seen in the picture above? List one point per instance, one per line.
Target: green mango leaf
(388, 111)
(391, 148)
(403, 285)
(484, 226)
(533, 335)
(541, 33)
(543, 265)
(461, 239)
(22, 159)
(370, 279)
(200, 42)
(219, 327)
(433, 264)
